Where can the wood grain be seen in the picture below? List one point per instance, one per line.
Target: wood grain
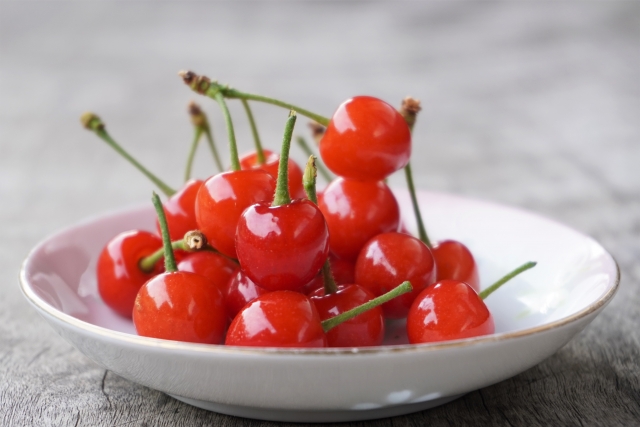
(530, 104)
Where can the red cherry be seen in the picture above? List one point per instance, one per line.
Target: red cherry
(366, 329)
(455, 262)
(215, 267)
(344, 272)
(180, 210)
(356, 211)
(282, 247)
(250, 161)
(221, 200)
(366, 139)
(277, 319)
(389, 259)
(241, 291)
(448, 310)
(180, 306)
(118, 273)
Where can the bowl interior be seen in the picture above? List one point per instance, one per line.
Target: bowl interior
(573, 273)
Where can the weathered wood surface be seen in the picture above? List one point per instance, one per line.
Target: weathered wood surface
(530, 104)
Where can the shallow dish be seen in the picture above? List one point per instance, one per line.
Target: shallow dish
(535, 315)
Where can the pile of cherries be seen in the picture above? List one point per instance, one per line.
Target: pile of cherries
(253, 256)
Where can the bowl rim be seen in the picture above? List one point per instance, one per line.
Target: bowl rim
(156, 343)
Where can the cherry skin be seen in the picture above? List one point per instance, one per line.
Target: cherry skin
(344, 272)
(180, 306)
(240, 291)
(454, 261)
(118, 273)
(180, 210)
(355, 212)
(364, 330)
(215, 267)
(389, 259)
(366, 139)
(448, 310)
(222, 199)
(250, 161)
(278, 319)
(282, 247)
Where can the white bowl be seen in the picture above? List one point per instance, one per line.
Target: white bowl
(535, 314)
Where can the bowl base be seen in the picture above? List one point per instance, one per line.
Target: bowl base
(326, 416)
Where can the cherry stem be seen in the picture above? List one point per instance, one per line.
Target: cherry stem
(147, 263)
(169, 259)
(254, 131)
(422, 231)
(214, 150)
(524, 267)
(332, 322)
(192, 153)
(204, 86)
(94, 123)
(233, 147)
(309, 184)
(282, 196)
(307, 150)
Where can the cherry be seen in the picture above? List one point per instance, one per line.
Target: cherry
(355, 212)
(118, 272)
(282, 246)
(448, 310)
(365, 330)
(455, 262)
(277, 319)
(344, 272)
(214, 266)
(179, 305)
(223, 197)
(240, 291)
(451, 310)
(391, 258)
(270, 165)
(366, 139)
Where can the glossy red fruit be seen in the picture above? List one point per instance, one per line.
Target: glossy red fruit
(180, 210)
(250, 161)
(344, 272)
(118, 274)
(222, 199)
(364, 330)
(241, 291)
(454, 261)
(366, 139)
(448, 310)
(180, 306)
(389, 259)
(356, 211)
(277, 319)
(215, 267)
(282, 247)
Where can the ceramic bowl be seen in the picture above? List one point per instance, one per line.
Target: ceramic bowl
(535, 315)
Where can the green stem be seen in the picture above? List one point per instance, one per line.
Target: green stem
(524, 267)
(282, 196)
(233, 93)
(93, 122)
(422, 231)
(233, 147)
(192, 153)
(330, 285)
(214, 150)
(147, 263)
(321, 168)
(254, 131)
(169, 259)
(350, 314)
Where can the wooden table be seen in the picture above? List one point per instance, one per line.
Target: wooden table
(530, 104)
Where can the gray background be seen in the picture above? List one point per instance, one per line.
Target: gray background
(532, 104)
